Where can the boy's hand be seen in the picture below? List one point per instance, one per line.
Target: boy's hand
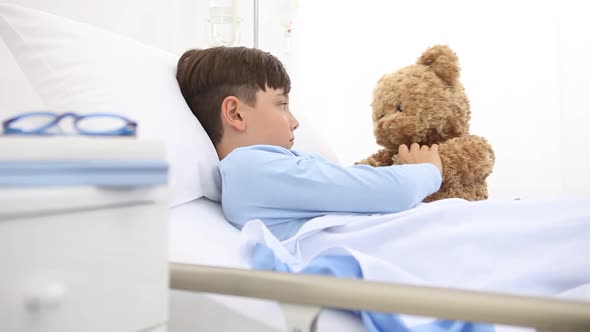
(419, 154)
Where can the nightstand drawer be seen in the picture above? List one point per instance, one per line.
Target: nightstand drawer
(100, 266)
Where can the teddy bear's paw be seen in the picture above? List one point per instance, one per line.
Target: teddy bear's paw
(381, 158)
(363, 162)
(466, 159)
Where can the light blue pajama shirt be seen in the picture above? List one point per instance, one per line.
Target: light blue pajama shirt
(285, 188)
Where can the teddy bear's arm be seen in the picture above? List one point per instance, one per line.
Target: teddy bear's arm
(382, 157)
(466, 159)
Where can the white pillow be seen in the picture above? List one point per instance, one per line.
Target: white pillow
(78, 67)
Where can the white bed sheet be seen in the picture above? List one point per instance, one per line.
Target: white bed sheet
(200, 234)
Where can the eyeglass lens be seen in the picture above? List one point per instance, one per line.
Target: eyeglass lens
(96, 124)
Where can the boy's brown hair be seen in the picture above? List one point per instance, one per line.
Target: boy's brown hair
(206, 77)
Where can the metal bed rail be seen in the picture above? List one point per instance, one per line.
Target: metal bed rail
(542, 313)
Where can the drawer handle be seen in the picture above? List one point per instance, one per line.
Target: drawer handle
(45, 298)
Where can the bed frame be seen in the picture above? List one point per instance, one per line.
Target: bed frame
(309, 293)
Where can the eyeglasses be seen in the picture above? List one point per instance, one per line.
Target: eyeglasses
(47, 123)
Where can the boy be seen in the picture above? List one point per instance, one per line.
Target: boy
(241, 98)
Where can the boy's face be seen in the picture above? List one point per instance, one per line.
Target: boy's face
(270, 122)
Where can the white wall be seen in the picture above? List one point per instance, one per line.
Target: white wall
(574, 48)
(524, 65)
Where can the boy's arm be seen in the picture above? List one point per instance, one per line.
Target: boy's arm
(272, 177)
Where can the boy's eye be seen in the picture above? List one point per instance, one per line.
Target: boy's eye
(283, 105)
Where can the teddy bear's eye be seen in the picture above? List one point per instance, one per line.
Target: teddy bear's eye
(398, 108)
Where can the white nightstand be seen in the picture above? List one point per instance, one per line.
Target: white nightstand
(83, 235)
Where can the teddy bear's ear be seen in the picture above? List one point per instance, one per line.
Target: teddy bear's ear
(443, 61)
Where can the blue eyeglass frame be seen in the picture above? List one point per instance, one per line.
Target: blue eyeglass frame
(129, 129)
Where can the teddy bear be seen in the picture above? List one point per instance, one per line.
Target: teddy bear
(426, 103)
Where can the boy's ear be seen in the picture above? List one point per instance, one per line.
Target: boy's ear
(230, 114)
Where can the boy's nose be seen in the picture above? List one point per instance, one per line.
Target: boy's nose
(294, 123)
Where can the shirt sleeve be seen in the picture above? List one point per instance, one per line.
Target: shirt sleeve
(271, 178)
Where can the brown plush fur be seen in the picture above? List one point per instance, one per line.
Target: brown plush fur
(425, 103)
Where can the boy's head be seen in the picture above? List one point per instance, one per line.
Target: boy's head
(239, 95)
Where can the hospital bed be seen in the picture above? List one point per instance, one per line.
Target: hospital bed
(213, 266)
(212, 287)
